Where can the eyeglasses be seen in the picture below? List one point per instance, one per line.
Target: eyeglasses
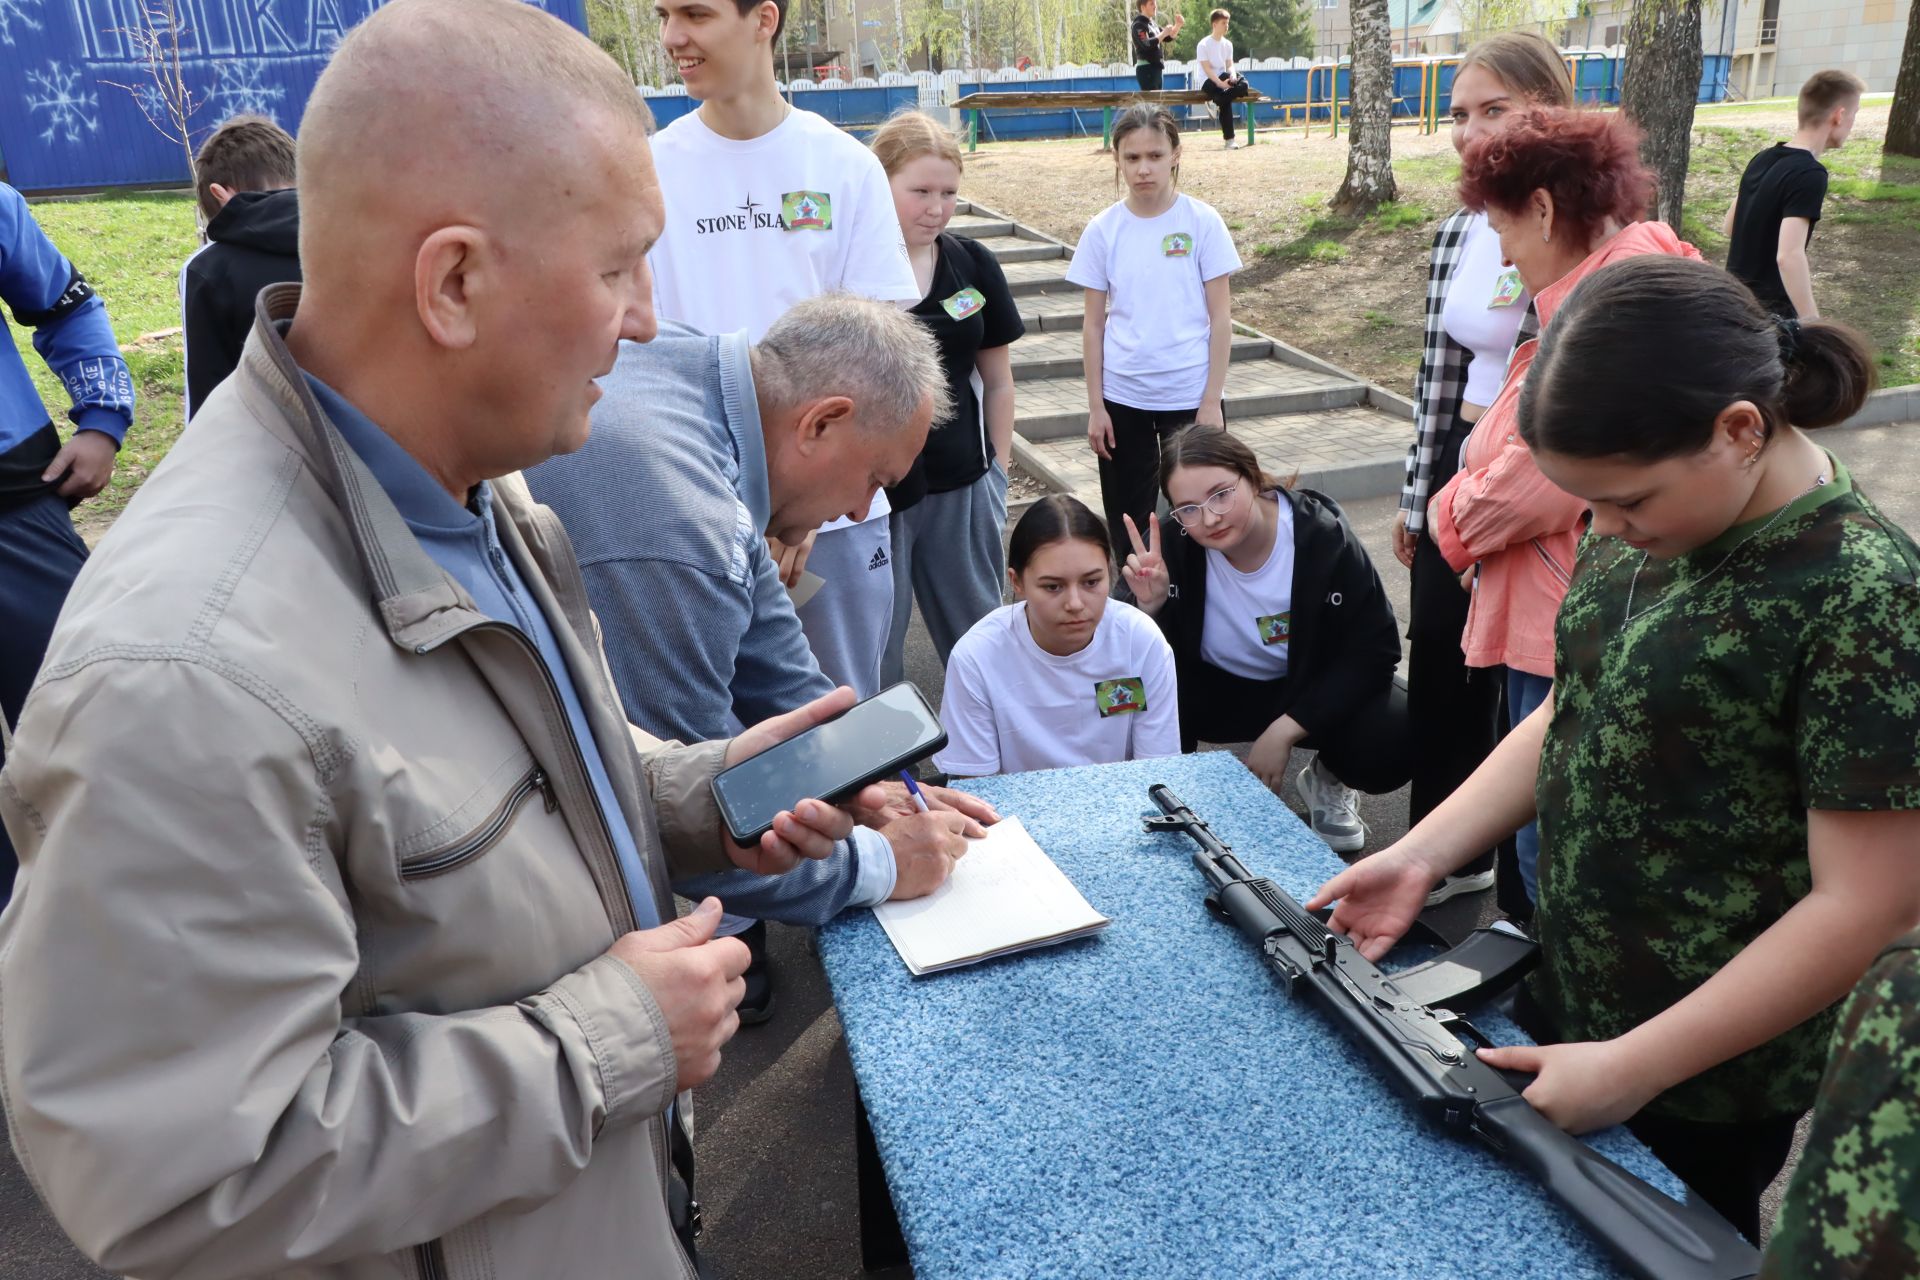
(1220, 502)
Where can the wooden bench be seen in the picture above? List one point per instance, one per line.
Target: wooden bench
(975, 104)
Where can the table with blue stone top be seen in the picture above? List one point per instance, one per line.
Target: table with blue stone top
(1146, 1102)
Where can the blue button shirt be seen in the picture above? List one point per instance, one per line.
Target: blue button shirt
(464, 542)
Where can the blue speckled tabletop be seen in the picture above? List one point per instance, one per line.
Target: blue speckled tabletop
(1147, 1102)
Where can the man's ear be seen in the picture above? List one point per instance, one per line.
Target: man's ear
(452, 272)
(766, 21)
(817, 419)
(221, 193)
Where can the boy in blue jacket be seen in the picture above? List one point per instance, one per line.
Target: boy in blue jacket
(41, 478)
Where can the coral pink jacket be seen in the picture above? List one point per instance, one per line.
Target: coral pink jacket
(1502, 514)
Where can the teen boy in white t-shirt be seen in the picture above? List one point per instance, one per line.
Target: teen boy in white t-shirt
(767, 206)
(1213, 61)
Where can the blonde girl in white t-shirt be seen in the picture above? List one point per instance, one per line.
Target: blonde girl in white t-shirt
(1064, 676)
(1157, 331)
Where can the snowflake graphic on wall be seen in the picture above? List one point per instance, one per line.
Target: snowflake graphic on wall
(240, 86)
(12, 11)
(71, 111)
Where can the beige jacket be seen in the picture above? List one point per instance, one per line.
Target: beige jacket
(303, 975)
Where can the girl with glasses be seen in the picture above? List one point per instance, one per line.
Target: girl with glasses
(1063, 676)
(1281, 629)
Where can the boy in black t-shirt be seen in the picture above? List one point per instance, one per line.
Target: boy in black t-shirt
(1150, 42)
(1771, 220)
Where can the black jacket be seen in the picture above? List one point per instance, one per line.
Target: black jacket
(1344, 643)
(251, 243)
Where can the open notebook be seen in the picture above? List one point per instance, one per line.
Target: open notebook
(1004, 896)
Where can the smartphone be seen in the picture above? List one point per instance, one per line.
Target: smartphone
(871, 740)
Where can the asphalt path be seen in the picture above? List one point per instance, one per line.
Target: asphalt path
(775, 1128)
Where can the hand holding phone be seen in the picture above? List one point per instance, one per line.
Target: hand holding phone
(801, 767)
(810, 828)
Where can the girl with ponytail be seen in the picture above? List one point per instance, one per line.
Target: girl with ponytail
(1726, 771)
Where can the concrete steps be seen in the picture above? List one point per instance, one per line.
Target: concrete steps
(1300, 414)
(1058, 354)
(1055, 408)
(1350, 452)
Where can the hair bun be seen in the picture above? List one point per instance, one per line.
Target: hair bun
(1788, 331)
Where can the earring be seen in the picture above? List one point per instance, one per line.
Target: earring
(1546, 235)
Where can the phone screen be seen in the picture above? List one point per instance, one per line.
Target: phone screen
(890, 730)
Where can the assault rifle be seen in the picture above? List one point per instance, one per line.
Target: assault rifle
(1654, 1236)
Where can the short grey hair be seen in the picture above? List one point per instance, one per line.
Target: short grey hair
(875, 354)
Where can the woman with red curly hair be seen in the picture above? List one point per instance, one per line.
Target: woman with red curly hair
(1566, 192)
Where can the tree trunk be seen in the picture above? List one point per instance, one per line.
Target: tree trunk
(1903, 126)
(1662, 85)
(1369, 181)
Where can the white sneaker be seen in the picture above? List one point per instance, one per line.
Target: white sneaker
(1454, 886)
(1233, 145)
(1333, 809)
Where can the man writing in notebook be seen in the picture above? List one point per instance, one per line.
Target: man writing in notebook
(767, 205)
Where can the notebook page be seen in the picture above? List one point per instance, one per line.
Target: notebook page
(1005, 893)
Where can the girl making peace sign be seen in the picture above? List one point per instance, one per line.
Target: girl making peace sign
(1282, 633)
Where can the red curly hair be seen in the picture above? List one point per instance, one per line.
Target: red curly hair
(1588, 161)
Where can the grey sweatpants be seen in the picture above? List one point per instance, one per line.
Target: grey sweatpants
(846, 621)
(949, 552)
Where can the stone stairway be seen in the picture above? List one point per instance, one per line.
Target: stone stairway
(1300, 414)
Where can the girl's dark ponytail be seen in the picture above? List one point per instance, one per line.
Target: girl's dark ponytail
(1644, 355)
(1829, 372)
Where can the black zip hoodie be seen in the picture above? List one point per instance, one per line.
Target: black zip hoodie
(1344, 643)
(251, 243)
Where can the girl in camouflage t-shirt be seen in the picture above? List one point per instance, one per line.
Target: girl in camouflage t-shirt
(1727, 776)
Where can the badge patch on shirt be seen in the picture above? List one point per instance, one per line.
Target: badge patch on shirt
(964, 303)
(1120, 697)
(1177, 245)
(807, 211)
(1507, 290)
(1275, 628)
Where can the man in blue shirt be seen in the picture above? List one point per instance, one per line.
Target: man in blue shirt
(731, 442)
(41, 479)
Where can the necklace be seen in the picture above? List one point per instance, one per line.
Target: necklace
(1631, 616)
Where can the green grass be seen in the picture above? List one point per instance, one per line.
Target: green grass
(1395, 214)
(130, 247)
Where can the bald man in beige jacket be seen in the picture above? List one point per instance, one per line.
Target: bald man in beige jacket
(335, 950)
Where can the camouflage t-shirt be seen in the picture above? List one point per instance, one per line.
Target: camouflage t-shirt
(1687, 744)
(1853, 1207)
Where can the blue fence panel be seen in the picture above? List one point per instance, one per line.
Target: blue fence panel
(78, 113)
(1298, 92)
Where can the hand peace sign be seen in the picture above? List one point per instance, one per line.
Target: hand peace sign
(1146, 569)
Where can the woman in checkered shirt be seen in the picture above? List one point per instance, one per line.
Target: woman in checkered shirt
(1477, 309)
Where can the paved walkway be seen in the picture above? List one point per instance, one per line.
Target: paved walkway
(1301, 414)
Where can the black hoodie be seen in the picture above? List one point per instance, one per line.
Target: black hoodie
(251, 243)
(1345, 643)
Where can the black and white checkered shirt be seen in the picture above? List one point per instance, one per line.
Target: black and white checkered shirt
(1442, 379)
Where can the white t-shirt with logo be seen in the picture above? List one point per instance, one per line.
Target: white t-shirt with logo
(1485, 304)
(1249, 616)
(1154, 272)
(1213, 53)
(1011, 706)
(754, 227)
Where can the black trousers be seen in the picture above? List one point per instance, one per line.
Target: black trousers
(1223, 100)
(1148, 74)
(1130, 480)
(40, 555)
(1367, 748)
(1456, 711)
(1727, 1165)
